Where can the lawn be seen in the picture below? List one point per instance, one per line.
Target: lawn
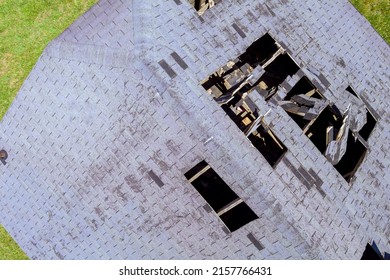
(377, 12)
(9, 250)
(26, 26)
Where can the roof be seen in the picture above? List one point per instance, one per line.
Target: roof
(113, 116)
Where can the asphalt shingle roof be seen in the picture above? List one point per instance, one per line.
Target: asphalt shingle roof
(113, 114)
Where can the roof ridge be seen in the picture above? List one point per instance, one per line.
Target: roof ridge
(89, 53)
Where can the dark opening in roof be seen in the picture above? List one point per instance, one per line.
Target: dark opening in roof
(230, 208)
(3, 156)
(371, 121)
(202, 5)
(369, 126)
(318, 129)
(265, 141)
(238, 216)
(351, 91)
(304, 86)
(278, 70)
(372, 252)
(302, 97)
(323, 127)
(352, 158)
(212, 188)
(265, 65)
(244, 113)
(260, 51)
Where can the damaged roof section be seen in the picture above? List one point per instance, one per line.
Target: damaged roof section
(367, 117)
(331, 131)
(336, 135)
(229, 207)
(265, 65)
(230, 86)
(202, 5)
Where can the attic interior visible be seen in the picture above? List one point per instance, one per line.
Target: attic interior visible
(230, 87)
(202, 5)
(264, 66)
(230, 208)
(369, 126)
(3, 156)
(324, 124)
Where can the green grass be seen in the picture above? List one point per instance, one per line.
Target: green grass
(377, 12)
(9, 250)
(26, 27)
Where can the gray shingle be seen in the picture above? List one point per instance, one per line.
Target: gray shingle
(108, 101)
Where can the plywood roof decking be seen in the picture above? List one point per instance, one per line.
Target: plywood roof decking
(98, 113)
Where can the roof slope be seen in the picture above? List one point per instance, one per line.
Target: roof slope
(110, 119)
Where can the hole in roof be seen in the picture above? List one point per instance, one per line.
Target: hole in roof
(366, 130)
(231, 86)
(264, 66)
(260, 51)
(352, 158)
(202, 5)
(230, 208)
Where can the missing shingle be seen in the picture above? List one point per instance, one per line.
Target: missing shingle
(318, 181)
(255, 242)
(3, 156)
(306, 175)
(300, 173)
(179, 60)
(178, 2)
(164, 65)
(323, 80)
(321, 191)
(155, 178)
(238, 30)
(207, 208)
